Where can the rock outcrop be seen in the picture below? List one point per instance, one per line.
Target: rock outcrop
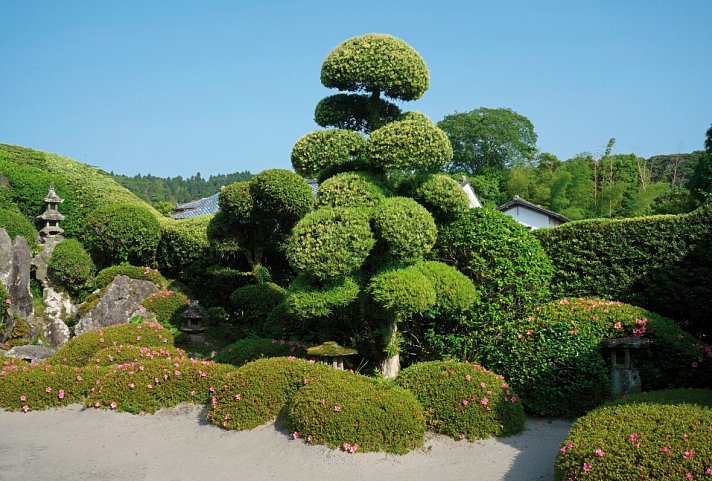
(58, 309)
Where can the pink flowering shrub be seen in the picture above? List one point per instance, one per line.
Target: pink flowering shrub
(167, 305)
(124, 354)
(665, 435)
(32, 387)
(464, 400)
(147, 386)
(259, 390)
(250, 349)
(79, 350)
(354, 412)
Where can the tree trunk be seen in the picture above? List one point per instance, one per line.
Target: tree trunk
(390, 367)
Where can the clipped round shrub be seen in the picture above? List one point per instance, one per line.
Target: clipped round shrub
(150, 385)
(443, 197)
(280, 194)
(253, 348)
(106, 276)
(255, 301)
(325, 148)
(376, 63)
(236, 201)
(355, 112)
(454, 292)
(407, 228)
(17, 224)
(70, 264)
(353, 412)
(409, 144)
(123, 354)
(182, 243)
(79, 350)
(116, 233)
(34, 387)
(464, 400)
(402, 291)
(330, 243)
(350, 189)
(306, 301)
(167, 305)
(667, 438)
(259, 390)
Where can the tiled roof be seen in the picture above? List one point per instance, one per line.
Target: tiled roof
(205, 206)
(518, 201)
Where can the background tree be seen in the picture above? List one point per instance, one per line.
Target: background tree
(494, 138)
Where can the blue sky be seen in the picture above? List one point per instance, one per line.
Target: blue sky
(175, 87)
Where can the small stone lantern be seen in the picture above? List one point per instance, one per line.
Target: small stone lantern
(332, 353)
(51, 216)
(193, 321)
(625, 378)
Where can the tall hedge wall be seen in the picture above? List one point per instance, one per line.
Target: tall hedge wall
(662, 263)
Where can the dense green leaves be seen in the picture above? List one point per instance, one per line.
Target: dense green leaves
(402, 291)
(409, 144)
(70, 264)
(406, 227)
(351, 189)
(317, 150)
(17, 224)
(358, 112)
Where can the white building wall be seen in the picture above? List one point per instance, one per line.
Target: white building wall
(531, 218)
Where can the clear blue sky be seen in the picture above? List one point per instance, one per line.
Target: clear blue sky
(175, 87)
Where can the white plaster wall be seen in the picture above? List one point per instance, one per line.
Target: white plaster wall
(530, 218)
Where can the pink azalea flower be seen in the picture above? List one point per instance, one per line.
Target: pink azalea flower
(201, 374)
(23, 398)
(688, 475)
(665, 449)
(113, 405)
(295, 435)
(354, 448)
(8, 301)
(149, 386)
(468, 377)
(337, 408)
(617, 325)
(461, 436)
(291, 358)
(600, 453)
(238, 396)
(633, 437)
(586, 467)
(685, 436)
(212, 389)
(97, 404)
(25, 408)
(346, 446)
(484, 401)
(48, 389)
(688, 454)
(61, 394)
(708, 471)
(176, 373)
(132, 385)
(482, 385)
(322, 401)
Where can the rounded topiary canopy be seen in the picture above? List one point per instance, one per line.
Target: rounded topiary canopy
(325, 148)
(404, 291)
(330, 243)
(442, 196)
(17, 224)
(350, 189)
(355, 112)
(235, 200)
(306, 301)
(376, 63)
(455, 292)
(280, 194)
(409, 144)
(70, 264)
(407, 228)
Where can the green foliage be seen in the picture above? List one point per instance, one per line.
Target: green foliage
(281, 195)
(79, 350)
(376, 63)
(455, 293)
(655, 262)
(107, 275)
(118, 233)
(150, 385)
(71, 265)
(17, 224)
(330, 243)
(308, 302)
(355, 112)
(237, 202)
(354, 412)
(259, 390)
(182, 243)
(254, 301)
(665, 439)
(124, 354)
(409, 144)
(167, 306)
(324, 148)
(464, 400)
(253, 348)
(351, 189)
(40, 386)
(406, 227)
(441, 195)
(403, 291)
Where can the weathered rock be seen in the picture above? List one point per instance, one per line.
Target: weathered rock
(118, 304)
(58, 310)
(18, 284)
(5, 256)
(57, 333)
(31, 353)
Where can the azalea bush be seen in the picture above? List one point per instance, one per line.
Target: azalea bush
(465, 401)
(250, 349)
(662, 436)
(167, 305)
(123, 354)
(79, 350)
(354, 412)
(106, 276)
(147, 386)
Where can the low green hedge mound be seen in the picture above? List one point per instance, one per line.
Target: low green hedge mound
(106, 276)
(79, 350)
(146, 387)
(259, 390)
(351, 189)
(17, 224)
(464, 400)
(353, 412)
(122, 354)
(32, 387)
(167, 305)
(255, 301)
(666, 439)
(250, 349)
(71, 265)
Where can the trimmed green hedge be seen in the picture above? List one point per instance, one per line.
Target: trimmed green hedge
(250, 349)
(351, 189)
(123, 354)
(107, 275)
(464, 400)
(182, 243)
(167, 306)
(355, 112)
(17, 224)
(71, 265)
(406, 227)
(320, 149)
(409, 144)
(254, 302)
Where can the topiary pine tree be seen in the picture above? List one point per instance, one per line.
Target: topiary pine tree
(361, 234)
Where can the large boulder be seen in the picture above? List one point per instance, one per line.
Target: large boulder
(18, 283)
(5, 256)
(119, 303)
(58, 309)
(30, 353)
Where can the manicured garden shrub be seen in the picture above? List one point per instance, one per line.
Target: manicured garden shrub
(351, 189)
(669, 438)
(147, 386)
(253, 348)
(408, 144)
(330, 243)
(79, 350)
(442, 196)
(259, 390)
(167, 305)
(556, 362)
(306, 301)
(123, 354)
(353, 412)
(117, 233)
(71, 265)
(323, 148)
(237, 202)
(281, 195)
(33, 387)
(406, 227)
(454, 292)
(403, 291)
(656, 262)
(464, 400)
(355, 112)
(106, 275)
(255, 301)
(17, 224)
(182, 243)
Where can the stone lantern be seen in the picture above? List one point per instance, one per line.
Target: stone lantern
(193, 318)
(625, 378)
(332, 353)
(51, 216)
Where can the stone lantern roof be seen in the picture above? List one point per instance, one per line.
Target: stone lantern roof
(52, 197)
(51, 216)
